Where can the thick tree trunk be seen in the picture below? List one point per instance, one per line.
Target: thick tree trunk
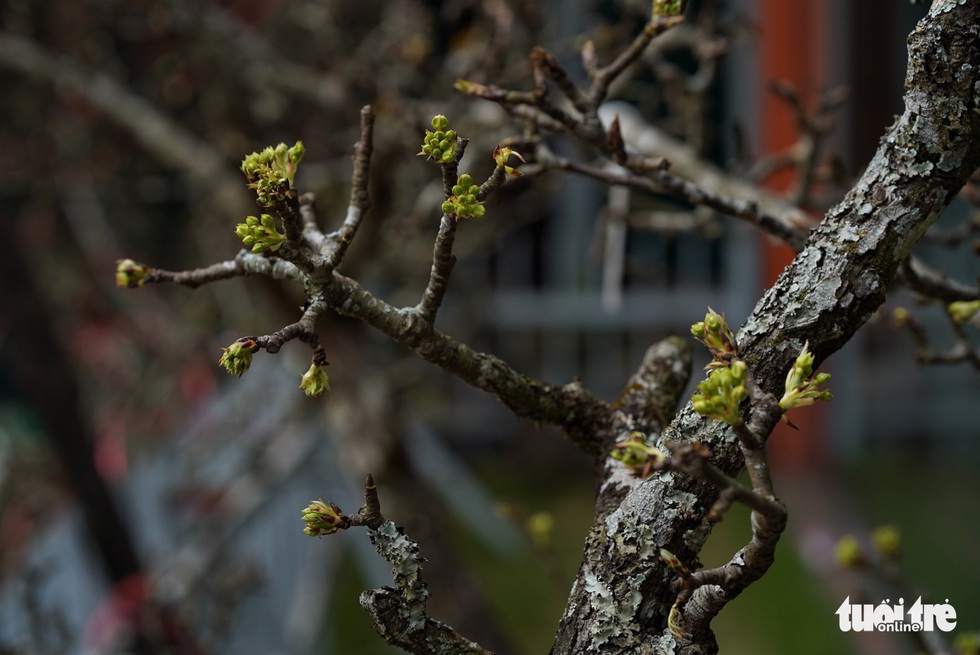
(622, 595)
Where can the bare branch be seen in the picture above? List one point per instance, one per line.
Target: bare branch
(932, 284)
(570, 407)
(304, 329)
(360, 201)
(157, 132)
(245, 263)
(603, 77)
(665, 182)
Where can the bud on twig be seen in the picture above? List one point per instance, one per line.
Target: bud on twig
(441, 144)
(801, 388)
(315, 381)
(722, 393)
(237, 357)
(130, 274)
(463, 202)
(323, 519)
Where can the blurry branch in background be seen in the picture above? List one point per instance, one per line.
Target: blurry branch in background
(960, 314)
(262, 67)
(881, 574)
(653, 162)
(813, 129)
(959, 301)
(202, 165)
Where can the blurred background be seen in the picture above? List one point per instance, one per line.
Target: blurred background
(122, 125)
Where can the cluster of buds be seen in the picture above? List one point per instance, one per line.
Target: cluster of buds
(322, 518)
(259, 234)
(130, 274)
(722, 392)
(441, 144)
(717, 337)
(237, 357)
(271, 172)
(801, 387)
(963, 311)
(636, 454)
(887, 543)
(315, 381)
(463, 202)
(502, 154)
(667, 8)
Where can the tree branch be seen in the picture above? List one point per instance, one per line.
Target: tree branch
(570, 407)
(360, 201)
(832, 288)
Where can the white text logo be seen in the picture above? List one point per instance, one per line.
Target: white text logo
(920, 617)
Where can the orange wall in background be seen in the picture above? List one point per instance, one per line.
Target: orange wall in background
(792, 47)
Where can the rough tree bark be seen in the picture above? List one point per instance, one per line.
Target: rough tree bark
(622, 595)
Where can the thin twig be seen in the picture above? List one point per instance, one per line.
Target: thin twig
(304, 329)
(665, 182)
(930, 283)
(360, 200)
(245, 263)
(443, 259)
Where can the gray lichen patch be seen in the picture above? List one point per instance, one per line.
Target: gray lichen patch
(406, 568)
(614, 607)
(942, 6)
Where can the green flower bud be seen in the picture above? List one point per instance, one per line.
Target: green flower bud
(441, 144)
(130, 274)
(323, 519)
(439, 122)
(271, 172)
(848, 553)
(676, 622)
(260, 234)
(237, 357)
(887, 541)
(635, 453)
(501, 155)
(463, 202)
(722, 393)
(801, 387)
(715, 334)
(667, 8)
(964, 310)
(315, 381)
(540, 526)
